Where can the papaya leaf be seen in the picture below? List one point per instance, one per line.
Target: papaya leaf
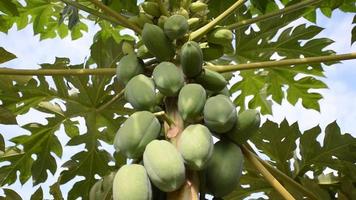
(2, 143)
(38, 194)
(10, 194)
(6, 116)
(5, 55)
(9, 8)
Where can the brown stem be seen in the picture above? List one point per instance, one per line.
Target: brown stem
(266, 174)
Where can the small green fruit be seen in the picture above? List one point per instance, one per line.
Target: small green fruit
(191, 58)
(191, 101)
(128, 67)
(151, 8)
(211, 80)
(168, 78)
(220, 36)
(198, 6)
(140, 92)
(176, 26)
(164, 165)
(132, 183)
(219, 114)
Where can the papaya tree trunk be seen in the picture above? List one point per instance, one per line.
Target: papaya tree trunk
(190, 188)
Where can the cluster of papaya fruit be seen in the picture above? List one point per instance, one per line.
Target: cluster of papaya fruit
(202, 100)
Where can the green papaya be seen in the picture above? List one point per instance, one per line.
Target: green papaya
(212, 51)
(196, 146)
(168, 78)
(164, 165)
(198, 6)
(132, 183)
(224, 91)
(141, 19)
(128, 67)
(143, 53)
(193, 23)
(135, 133)
(161, 21)
(157, 42)
(176, 26)
(221, 36)
(246, 126)
(211, 80)
(140, 92)
(227, 75)
(102, 189)
(127, 48)
(151, 8)
(191, 101)
(183, 12)
(224, 169)
(191, 58)
(219, 114)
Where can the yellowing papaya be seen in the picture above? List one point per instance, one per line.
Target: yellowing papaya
(151, 8)
(176, 26)
(196, 146)
(131, 182)
(221, 36)
(211, 80)
(246, 126)
(102, 189)
(168, 78)
(157, 42)
(191, 101)
(220, 181)
(128, 67)
(219, 114)
(191, 58)
(164, 165)
(135, 133)
(140, 92)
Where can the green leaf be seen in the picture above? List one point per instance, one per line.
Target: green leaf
(6, 116)
(122, 6)
(38, 194)
(5, 55)
(55, 190)
(9, 8)
(2, 143)
(10, 194)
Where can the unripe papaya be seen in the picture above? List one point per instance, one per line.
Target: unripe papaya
(220, 181)
(211, 80)
(132, 183)
(246, 126)
(164, 165)
(196, 146)
(212, 51)
(140, 92)
(191, 101)
(141, 19)
(161, 20)
(198, 6)
(128, 67)
(228, 75)
(135, 133)
(224, 91)
(127, 48)
(176, 26)
(151, 8)
(157, 42)
(221, 36)
(193, 23)
(143, 53)
(102, 189)
(183, 12)
(168, 78)
(219, 114)
(191, 59)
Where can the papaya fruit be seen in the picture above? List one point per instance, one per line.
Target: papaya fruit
(140, 92)
(132, 182)
(191, 101)
(102, 189)
(191, 58)
(212, 51)
(221, 36)
(128, 67)
(220, 181)
(141, 19)
(246, 126)
(143, 53)
(219, 114)
(168, 78)
(193, 23)
(161, 20)
(227, 75)
(176, 26)
(157, 42)
(224, 91)
(135, 133)
(198, 6)
(151, 8)
(196, 146)
(211, 80)
(164, 165)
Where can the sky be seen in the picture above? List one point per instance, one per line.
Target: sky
(338, 103)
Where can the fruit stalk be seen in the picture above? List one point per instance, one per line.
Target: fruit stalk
(266, 174)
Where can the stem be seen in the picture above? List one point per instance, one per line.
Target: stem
(266, 174)
(285, 10)
(210, 25)
(90, 11)
(281, 63)
(217, 68)
(116, 97)
(124, 21)
(283, 176)
(165, 117)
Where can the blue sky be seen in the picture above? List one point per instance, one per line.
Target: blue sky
(338, 103)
